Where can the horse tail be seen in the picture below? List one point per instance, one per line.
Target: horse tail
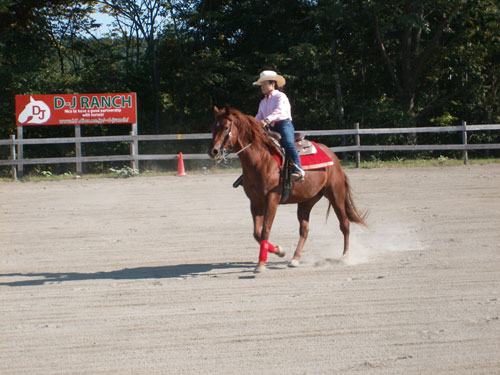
(352, 212)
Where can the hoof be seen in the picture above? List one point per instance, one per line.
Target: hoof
(259, 269)
(293, 263)
(279, 251)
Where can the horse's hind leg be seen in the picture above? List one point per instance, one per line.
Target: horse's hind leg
(344, 224)
(336, 194)
(303, 214)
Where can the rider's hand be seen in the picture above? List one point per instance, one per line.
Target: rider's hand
(265, 124)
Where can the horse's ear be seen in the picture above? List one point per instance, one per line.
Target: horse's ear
(227, 109)
(216, 111)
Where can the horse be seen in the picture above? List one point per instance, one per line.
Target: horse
(264, 186)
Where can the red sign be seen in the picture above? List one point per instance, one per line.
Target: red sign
(75, 109)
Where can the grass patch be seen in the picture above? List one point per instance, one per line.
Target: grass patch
(407, 163)
(368, 164)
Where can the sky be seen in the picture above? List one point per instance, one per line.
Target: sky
(104, 19)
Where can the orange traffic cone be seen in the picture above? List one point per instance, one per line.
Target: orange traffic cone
(180, 166)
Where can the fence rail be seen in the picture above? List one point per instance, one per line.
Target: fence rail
(17, 160)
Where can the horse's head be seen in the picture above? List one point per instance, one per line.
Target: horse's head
(224, 133)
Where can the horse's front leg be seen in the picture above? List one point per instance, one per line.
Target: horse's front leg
(272, 202)
(258, 220)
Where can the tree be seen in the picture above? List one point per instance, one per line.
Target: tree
(383, 63)
(142, 20)
(416, 40)
(25, 53)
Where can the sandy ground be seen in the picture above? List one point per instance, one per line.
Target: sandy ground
(154, 276)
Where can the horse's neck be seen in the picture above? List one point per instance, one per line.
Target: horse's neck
(255, 158)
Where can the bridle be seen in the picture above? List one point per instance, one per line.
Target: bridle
(228, 135)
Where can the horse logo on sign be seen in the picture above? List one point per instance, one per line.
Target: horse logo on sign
(35, 112)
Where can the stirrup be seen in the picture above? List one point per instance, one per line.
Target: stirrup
(298, 176)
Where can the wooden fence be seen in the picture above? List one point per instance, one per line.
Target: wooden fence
(17, 160)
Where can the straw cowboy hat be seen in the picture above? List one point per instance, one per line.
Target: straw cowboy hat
(269, 75)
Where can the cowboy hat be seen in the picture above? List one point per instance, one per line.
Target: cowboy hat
(269, 75)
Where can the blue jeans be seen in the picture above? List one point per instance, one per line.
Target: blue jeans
(287, 131)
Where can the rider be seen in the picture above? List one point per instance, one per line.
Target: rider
(275, 111)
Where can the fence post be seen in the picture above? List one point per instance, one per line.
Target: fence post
(134, 148)
(358, 144)
(344, 154)
(78, 150)
(13, 156)
(464, 142)
(20, 153)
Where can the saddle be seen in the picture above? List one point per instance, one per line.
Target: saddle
(303, 147)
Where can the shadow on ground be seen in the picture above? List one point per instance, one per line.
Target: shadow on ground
(140, 273)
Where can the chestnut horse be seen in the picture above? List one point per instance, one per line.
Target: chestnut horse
(263, 186)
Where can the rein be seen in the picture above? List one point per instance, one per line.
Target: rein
(225, 158)
(243, 149)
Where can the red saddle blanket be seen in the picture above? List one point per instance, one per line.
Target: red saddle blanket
(309, 162)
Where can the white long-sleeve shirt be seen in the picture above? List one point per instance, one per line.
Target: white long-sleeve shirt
(274, 107)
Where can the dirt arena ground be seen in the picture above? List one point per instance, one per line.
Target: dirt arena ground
(154, 276)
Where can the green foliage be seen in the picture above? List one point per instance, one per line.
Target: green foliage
(442, 159)
(379, 63)
(444, 120)
(124, 172)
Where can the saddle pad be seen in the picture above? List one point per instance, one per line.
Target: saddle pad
(315, 161)
(310, 162)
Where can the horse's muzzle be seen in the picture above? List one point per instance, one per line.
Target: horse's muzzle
(216, 154)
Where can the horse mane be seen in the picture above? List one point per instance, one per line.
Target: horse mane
(251, 130)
